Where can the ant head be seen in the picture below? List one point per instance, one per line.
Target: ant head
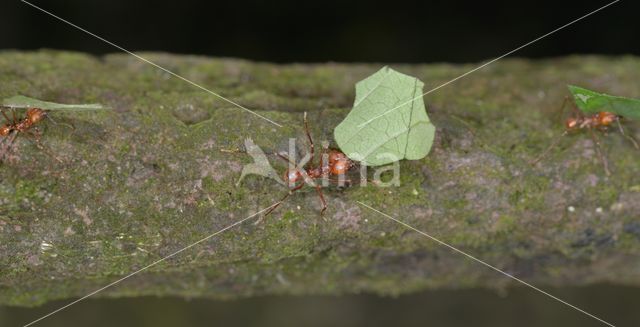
(35, 115)
(335, 156)
(292, 176)
(339, 163)
(606, 118)
(5, 130)
(571, 123)
(340, 167)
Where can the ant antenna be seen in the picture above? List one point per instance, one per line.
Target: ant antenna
(309, 139)
(600, 152)
(64, 124)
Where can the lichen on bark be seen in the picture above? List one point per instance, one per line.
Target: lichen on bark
(148, 178)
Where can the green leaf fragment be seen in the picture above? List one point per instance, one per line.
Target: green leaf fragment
(388, 121)
(593, 102)
(20, 101)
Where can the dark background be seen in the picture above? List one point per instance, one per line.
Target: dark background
(320, 31)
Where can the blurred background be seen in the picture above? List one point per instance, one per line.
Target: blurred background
(348, 31)
(519, 307)
(320, 31)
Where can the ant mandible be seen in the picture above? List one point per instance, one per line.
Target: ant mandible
(332, 166)
(13, 127)
(600, 121)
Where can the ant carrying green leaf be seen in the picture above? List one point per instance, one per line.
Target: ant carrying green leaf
(596, 112)
(36, 112)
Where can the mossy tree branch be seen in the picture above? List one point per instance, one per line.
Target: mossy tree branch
(148, 178)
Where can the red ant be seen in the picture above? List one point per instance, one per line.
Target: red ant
(600, 121)
(10, 130)
(332, 166)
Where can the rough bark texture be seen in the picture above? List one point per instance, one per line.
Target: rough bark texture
(146, 179)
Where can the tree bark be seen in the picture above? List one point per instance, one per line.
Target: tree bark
(146, 179)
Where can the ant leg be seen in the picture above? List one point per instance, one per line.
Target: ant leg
(9, 143)
(4, 148)
(36, 139)
(306, 130)
(546, 152)
(557, 140)
(285, 158)
(282, 200)
(324, 157)
(341, 182)
(323, 164)
(605, 163)
(37, 132)
(576, 112)
(5, 116)
(629, 137)
(322, 200)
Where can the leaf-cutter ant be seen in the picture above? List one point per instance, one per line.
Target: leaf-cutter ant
(600, 121)
(332, 166)
(27, 126)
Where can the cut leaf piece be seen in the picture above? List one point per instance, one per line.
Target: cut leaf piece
(388, 121)
(593, 102)
(20, 101)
